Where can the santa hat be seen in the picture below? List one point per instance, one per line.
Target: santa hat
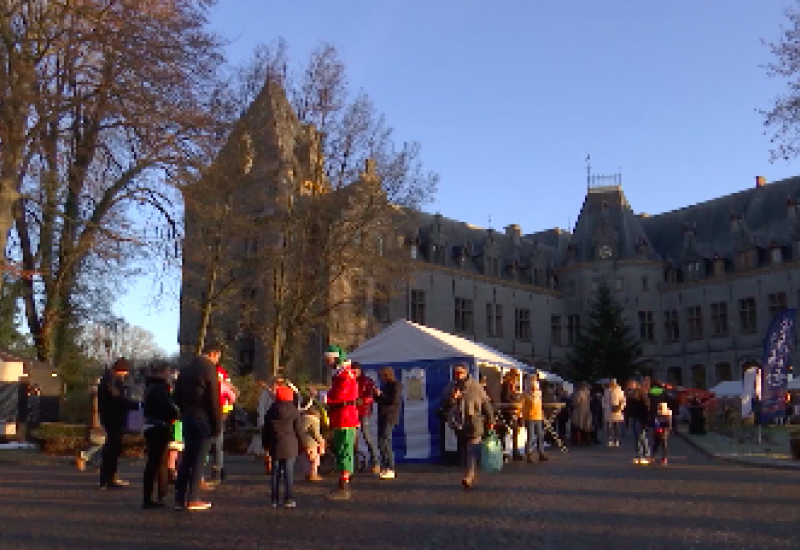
(284, 393)
(336, 352)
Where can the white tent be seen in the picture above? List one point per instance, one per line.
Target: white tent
(404, 341)
(730, 388)
(423, 359)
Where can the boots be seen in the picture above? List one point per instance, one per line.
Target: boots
(219, 475)
(529, 458)
(543, 457)
(343, 492)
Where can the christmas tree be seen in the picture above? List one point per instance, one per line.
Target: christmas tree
(607, 349)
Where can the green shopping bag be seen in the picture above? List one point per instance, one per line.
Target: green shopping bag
(491, 453)
(177, 431)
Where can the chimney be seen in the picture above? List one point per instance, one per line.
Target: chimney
(514, 231)
(761, 181)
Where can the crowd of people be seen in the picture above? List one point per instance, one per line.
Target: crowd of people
(645, 409)
(184, 417)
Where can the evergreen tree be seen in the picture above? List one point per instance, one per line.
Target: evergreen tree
(607, 348)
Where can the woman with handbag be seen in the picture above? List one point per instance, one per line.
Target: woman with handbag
(614, 405)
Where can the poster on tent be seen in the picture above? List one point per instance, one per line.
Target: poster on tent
(415, 414)
(777, 358)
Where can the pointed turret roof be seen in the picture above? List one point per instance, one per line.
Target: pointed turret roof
(606, 218)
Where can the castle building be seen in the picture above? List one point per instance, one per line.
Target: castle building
(699, 285)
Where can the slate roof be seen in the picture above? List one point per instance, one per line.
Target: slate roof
(607, 207)
(762, 209)
(542, 249)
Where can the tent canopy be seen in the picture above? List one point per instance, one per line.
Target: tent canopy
(404, 341)
(730, 388)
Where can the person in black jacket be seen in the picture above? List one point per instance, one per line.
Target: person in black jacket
(388, 398)
(159, 412)
(281, 438)
(638, 407)
(197, 396)
(113, 405)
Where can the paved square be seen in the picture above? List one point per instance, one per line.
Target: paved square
(591, 498)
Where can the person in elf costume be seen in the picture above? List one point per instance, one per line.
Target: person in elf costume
(341, 402)
(227, 397)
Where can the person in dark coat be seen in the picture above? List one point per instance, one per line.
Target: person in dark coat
(596, 407)
(113, 406)
(638, 407)
(197, 396)
(389, 402)
(281, 438)
(159, 413)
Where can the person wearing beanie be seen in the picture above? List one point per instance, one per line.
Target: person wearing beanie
(341, 402)
(113, 405)
(281, 439)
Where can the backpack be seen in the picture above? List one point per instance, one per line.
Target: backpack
(457, 415)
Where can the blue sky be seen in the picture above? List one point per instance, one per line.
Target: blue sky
(508, 97)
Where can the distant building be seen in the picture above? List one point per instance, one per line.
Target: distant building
(699, 285)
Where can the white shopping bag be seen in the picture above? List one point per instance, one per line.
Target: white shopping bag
(135, 422)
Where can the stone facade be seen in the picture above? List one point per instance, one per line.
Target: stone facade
(699, 285)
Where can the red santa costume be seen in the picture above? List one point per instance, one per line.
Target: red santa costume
(343, 413)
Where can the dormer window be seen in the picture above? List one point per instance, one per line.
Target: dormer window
(776, 254)
(693, 270)
(746, 259)
(719, 266)
(493, 267)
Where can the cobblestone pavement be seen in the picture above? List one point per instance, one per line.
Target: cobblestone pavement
(592, 498)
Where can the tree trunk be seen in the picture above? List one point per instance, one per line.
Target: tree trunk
(205, 309)
(8, 199)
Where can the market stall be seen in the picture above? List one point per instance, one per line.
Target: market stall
(423, 360)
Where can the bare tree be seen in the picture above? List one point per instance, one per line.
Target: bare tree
(105, 341)
(105, 107)
(302, 215)
(782, 120)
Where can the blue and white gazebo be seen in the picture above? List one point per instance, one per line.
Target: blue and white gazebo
(423, 359)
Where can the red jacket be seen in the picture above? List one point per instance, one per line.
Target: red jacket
(227, 391)
(366, 392)
(341, 399)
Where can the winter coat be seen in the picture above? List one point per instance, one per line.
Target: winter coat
(159, 408)
(532, 406)
(265, 401)
(282, 431)
(638, 407)
(197, 394)
(341, 399)
(389, 403)
(477, 406)
(113, 403)
(581, 410)
(614, 398)
(366, 393)
(309, 430)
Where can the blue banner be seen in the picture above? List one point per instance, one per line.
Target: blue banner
(775, 367)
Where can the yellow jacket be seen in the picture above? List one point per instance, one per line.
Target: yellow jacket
(532, 406)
